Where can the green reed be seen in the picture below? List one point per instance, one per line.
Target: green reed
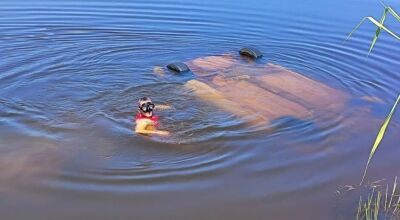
(379, 137)
(380, 204)
(380, 25)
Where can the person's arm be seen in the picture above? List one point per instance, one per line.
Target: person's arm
(159, 132)
(141, 129)
(163, 107)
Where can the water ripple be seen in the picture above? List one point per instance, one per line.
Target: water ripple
(71, 74)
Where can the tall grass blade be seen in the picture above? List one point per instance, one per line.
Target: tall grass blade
(379, 25)
(393, 191)
(383, 4)
(376, 23)
(380, 203)
(359, 208)
(377, 206)
(356, 28)
(379, 137)
(396, 205)
(386, 196)
(378, 30)
(392, 12)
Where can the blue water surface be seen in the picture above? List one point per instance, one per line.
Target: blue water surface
(71, 73)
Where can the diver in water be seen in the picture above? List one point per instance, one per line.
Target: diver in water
(146, 121)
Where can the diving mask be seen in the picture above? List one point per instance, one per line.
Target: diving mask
(147, 107)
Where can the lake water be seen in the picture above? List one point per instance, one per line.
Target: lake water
(71, 73)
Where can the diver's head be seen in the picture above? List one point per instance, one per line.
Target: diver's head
(146, 106)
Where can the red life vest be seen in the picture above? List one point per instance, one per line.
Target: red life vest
(153, 118)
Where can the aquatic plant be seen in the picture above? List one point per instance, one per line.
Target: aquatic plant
(379, 137)
(375, 206)
(380, 25)
(378, 204)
